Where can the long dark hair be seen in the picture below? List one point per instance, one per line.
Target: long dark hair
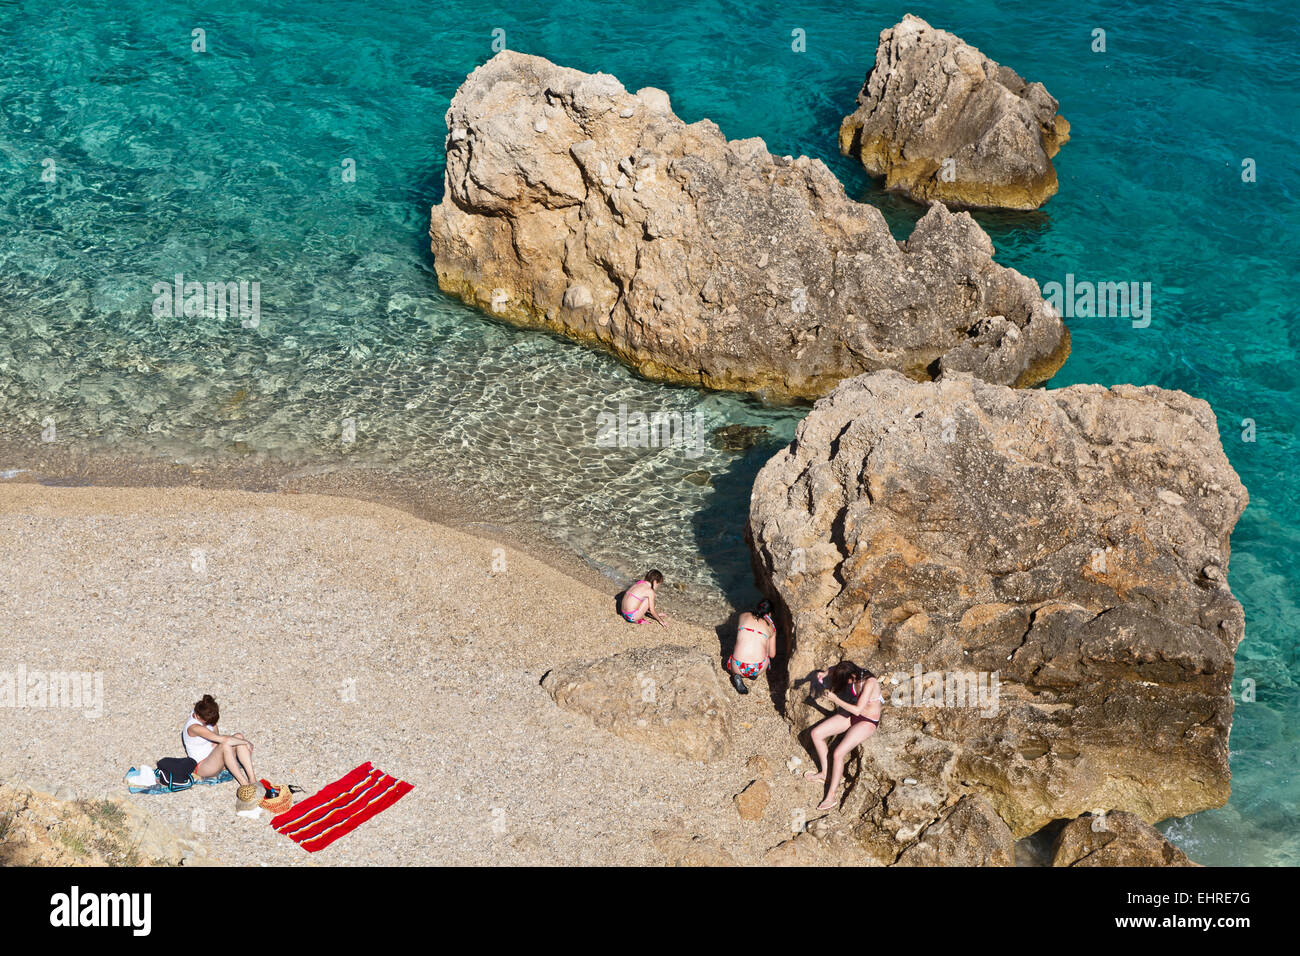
(842, 674)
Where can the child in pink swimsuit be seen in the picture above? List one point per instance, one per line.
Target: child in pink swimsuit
(638, 603)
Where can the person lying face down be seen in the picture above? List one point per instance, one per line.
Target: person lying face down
(638, 602)
(755, 646)
(855, 693)
(212, 751)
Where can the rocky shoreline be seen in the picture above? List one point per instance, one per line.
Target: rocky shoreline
(1038, 577)
(1063, 552)
(1068, 546)
(648, 744)
(576, 206)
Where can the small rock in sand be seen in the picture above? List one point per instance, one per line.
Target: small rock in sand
(753, 800)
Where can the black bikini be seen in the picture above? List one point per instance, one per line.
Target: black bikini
(860, 718)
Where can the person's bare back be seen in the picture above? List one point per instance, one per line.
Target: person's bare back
(755, 638)
(755, 646)
(638, 602)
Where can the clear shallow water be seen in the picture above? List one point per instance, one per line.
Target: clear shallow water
(225, 165)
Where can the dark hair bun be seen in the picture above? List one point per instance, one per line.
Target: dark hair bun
(207, 710)
(764, 607)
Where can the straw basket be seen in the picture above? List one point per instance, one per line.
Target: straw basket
(279, 803)
(247, 793)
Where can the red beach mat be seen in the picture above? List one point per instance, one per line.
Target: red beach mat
(340, 807)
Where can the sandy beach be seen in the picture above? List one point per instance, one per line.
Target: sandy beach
(333, 632)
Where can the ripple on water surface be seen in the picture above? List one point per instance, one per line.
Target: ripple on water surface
(229, 165)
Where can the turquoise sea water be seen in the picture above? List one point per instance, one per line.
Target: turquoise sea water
(225, 165)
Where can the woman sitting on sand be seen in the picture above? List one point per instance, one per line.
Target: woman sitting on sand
(856, 692)
(639, 600)
(214, 752)
(755, 645)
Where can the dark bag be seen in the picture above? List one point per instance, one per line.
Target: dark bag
(174, 773)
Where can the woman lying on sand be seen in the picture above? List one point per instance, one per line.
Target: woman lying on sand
(856, 692)
(755, 645)
(639, 600)
(212, 751)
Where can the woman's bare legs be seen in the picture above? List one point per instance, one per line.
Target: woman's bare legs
(854, 736)
(232, 764)
(243, 756)
(228, 755)
(211, 765)
(235, 755)
(828, 728)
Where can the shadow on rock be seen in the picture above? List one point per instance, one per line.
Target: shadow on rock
(719, 525)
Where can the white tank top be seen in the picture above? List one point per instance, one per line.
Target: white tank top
(197, 747)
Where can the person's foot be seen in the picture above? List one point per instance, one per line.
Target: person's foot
(738, 682)
(828, 804)
(815, 775)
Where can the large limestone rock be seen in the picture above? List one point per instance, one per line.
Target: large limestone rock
(576, 206)
(38, 828)
(940, 120)
(669, 697)
(1072, 542)
(970, 834)
(1115, 839)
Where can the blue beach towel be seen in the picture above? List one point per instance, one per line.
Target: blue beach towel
(224, 777)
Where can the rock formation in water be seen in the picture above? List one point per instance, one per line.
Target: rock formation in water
(940, 120)
(575, 206)
(1115, 839)
(1073, 544)
(671, 698)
